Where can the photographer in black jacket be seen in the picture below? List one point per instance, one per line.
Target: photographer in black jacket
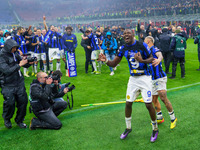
(43, 106)
(12, 83)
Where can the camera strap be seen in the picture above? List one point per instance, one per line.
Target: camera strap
(72, 101)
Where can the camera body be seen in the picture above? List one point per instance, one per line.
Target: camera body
(32, 59)
(108, 43)
(54, 77)
(69, 88)
(29, 58)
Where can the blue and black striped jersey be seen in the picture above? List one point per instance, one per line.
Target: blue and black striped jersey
(157, 72)
(41, 47)
(53, 39)
(22, 43)
(94, 41)
(136, 68)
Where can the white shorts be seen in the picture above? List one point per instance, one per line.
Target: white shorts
(40, 56)
(54, 53)
(95, 54)
(62, 53)
(159, 84)
(139, 84)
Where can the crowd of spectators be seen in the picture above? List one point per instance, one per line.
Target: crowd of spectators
(101, 9)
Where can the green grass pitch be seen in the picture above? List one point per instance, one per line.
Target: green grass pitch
(99, 127)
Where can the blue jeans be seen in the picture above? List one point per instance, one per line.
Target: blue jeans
(110, 57)
(60, 98)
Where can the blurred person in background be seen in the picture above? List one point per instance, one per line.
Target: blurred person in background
(86, 44)
(19, 38)
(69, 44)
(110, 46)
(197, 41)
(178, 46)
(165, 40)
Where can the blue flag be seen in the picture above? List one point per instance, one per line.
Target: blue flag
(71, 63)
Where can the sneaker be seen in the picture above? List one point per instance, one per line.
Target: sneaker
(7, 124)
(154, 136)
(183, 77)
(22, 125)
(172, 77)
(115, 68)
(173, 124)
(93, 72)
(26, 75)
(159, 121)
(112, 73)
(126, 132)
(31, 125)
(198, 69)
(32, 74)
(97, 72)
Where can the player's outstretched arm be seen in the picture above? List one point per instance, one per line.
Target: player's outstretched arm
(112, 63)
(44, 22)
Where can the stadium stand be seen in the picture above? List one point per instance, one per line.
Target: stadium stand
(102, 9)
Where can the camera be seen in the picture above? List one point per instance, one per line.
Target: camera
(29, 58)
(108, 43)
(71, 87)
(54, 77)
(32, 59)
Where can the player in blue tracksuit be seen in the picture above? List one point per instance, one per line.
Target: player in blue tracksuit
(95, 49)
(159, 81)
(138, 56)
(69, 44)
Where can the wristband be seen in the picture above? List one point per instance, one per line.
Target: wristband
(106, 61)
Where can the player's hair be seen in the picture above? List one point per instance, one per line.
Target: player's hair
(57, 72)
(151, 39)
(131, 32)
(19, 28)
(68, 28)
(87, 31)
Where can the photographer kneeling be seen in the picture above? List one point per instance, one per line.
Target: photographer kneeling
(44, 108)
(57, 87)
